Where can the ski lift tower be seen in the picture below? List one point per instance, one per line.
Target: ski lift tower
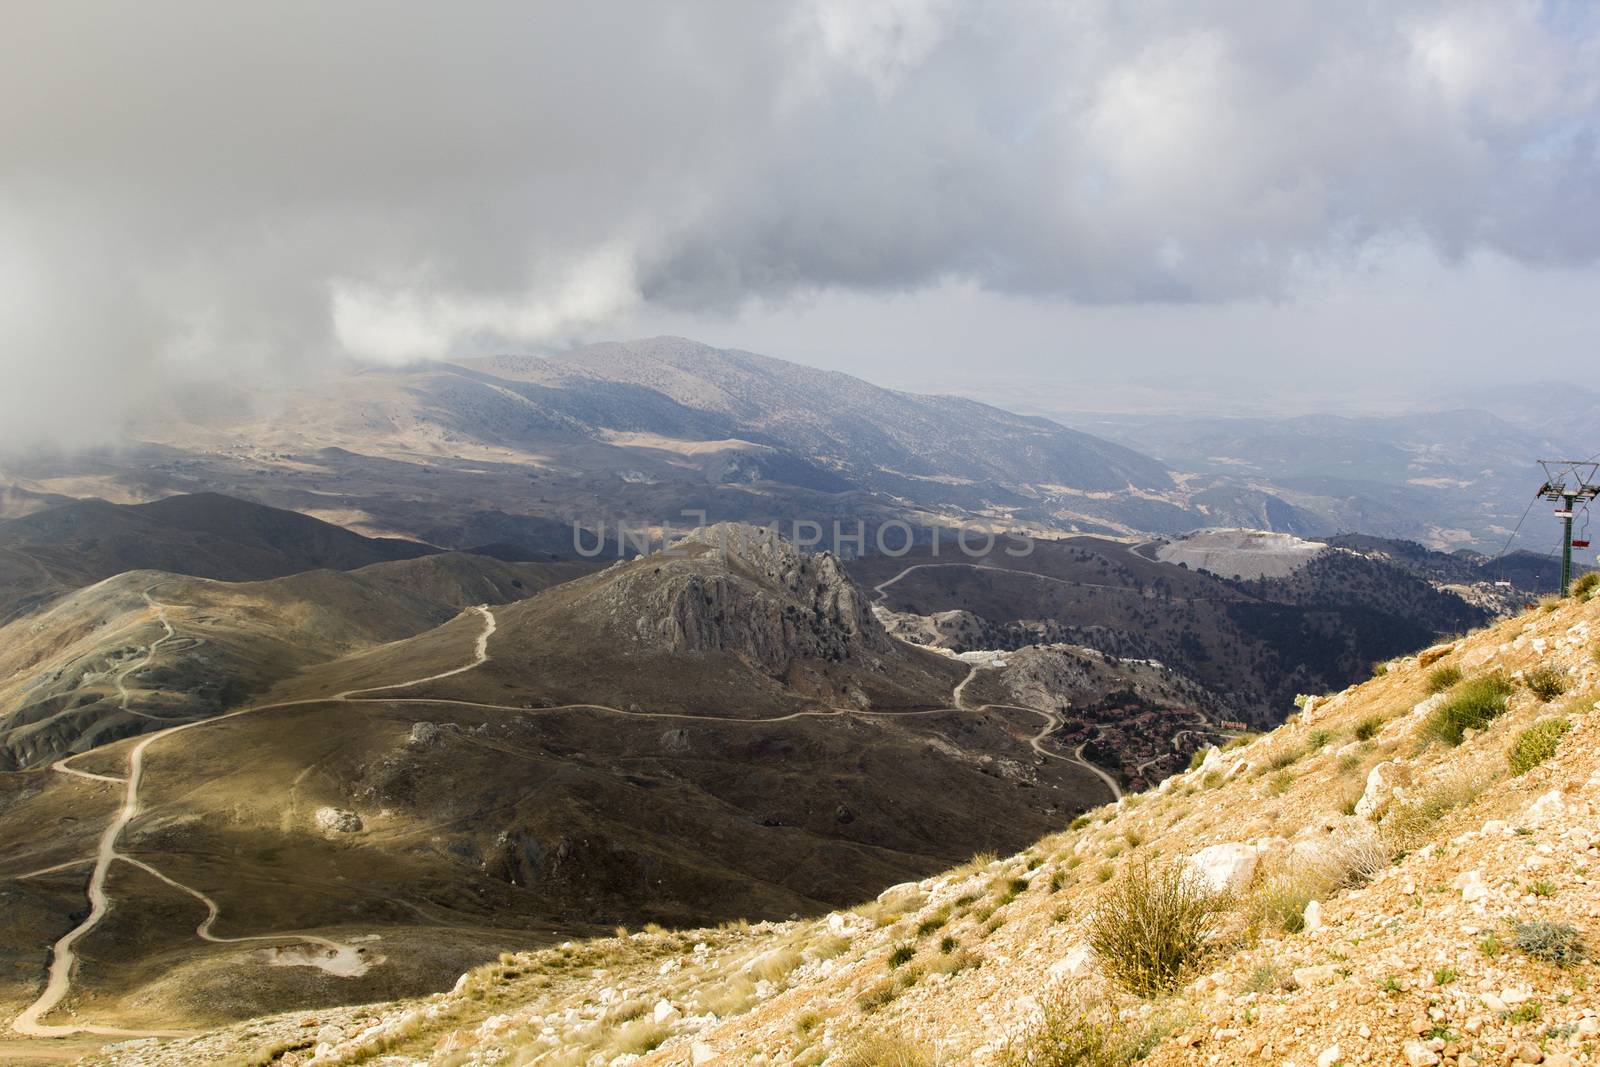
(1567, 482)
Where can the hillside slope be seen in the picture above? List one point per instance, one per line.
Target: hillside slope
(144, 649)
(206, 535)
(1455, 917)
(1253, 645)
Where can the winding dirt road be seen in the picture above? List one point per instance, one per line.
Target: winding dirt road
(880, 590)
(342, 958)
(63, 956)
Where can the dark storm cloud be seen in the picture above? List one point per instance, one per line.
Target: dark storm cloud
(198, 190)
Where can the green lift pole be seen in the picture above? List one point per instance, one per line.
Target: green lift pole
(1566, 546)
(1559, 478)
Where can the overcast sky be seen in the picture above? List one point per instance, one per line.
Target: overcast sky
(1321, 195)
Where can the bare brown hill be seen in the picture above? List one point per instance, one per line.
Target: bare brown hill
(206, 535)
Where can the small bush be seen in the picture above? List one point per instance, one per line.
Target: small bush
(933, 922)
(1442, 678)
(1557, 943)
(1319, 738)
(1536, 744)
(901, 954)
(1198, 757)
(1079, 1027)
(947, 944)
(1585, 586)
(886, 1050)
(1546, 682)
(957, 961)
(1368, 728)
(877, 996)
(1283, 759)
(1154, 926)
(1473, 706)
(1280, 903)
(1380, 668)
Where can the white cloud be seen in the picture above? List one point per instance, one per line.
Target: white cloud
(191, 190)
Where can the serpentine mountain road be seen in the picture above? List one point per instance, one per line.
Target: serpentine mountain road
(342, 958)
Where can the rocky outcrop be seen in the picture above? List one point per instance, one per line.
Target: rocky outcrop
(740, 589)
(1386, 783)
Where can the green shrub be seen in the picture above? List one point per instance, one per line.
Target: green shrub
(1536, 744)
(1472, 706)
(901, 954)
(1198, 757)
(1368, 728)
(1442, 678)
(1546, 681)
(1283, 759)
(1585, 586)
(1557, 943)
(1078, 1027)
(1380, 668)
(1153, 926)
(1319, 738)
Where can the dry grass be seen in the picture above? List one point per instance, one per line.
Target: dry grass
(1409, 823)
(732, 996)
(1156, 924)
(1079, 1026)
(640, 1036)
(887, 1050)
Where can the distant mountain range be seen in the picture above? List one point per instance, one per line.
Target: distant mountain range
(643, 431)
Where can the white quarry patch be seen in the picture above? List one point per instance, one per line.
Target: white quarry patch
(341, 961)
(337, 820)
(1242, 553)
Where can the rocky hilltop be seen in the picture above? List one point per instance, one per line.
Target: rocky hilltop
(746, 591)
(1404, 873)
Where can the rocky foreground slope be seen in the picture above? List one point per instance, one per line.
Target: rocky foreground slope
(1404, 873)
